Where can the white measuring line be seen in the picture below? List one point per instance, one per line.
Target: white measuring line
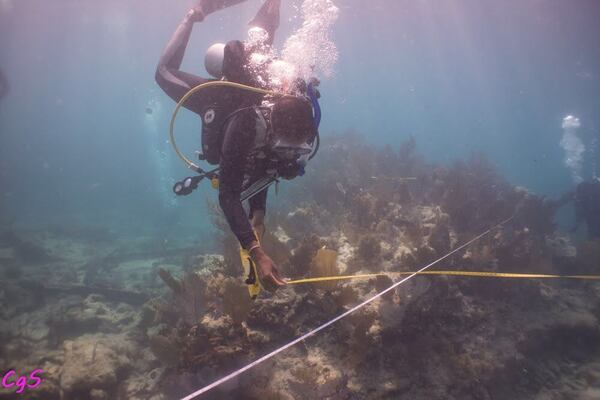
(325, 325)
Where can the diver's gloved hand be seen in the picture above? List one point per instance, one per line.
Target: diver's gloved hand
(206, 7)
(267, 272)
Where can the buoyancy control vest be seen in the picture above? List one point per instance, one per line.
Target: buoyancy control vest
(214, 122)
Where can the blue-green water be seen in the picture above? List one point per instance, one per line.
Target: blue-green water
(460, 76)
(86, 171)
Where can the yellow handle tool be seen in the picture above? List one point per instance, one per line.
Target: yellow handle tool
(250, 273)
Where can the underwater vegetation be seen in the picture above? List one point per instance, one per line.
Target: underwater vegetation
(126, 319)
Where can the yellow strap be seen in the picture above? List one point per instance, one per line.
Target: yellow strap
(247, 264)
(453, 273)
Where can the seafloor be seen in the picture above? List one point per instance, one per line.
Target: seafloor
(113, 317)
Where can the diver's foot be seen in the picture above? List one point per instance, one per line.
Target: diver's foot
(210, 6)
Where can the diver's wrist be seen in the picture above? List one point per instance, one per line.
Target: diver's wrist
(255, 251)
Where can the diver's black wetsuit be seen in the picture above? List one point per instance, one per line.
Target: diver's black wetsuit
(587, 207)
(240, 130)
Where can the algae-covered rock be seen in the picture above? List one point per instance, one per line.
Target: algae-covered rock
(235, 300)
(383, 282)
(92, 363)
(144, 385)
(165, 349)
(346, 295)
(188, 293)
(98, 394)
(369, 249)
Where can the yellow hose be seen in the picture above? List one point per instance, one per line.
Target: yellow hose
(196, 89)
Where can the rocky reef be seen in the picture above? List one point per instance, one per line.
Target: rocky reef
(146, 322)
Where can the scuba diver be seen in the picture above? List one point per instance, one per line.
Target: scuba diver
(247, 134)
(586, 199)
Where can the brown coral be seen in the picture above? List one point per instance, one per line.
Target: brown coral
(235, 300)
(301, 260)
(369, 248)
(188, 293)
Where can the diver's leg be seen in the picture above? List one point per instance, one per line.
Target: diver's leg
(267, 18)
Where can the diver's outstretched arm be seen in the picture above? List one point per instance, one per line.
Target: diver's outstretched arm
(238, 138)
(169, 77)
(267, 18)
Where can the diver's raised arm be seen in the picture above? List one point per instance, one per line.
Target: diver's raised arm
(174, 82)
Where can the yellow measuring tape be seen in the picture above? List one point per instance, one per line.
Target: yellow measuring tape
(451, 273)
